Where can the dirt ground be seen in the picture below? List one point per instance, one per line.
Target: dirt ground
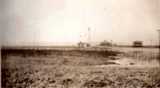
(77, 69)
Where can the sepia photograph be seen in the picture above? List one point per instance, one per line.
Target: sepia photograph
(80, 43)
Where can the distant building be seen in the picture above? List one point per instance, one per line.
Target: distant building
(137, 44)
(83, 44)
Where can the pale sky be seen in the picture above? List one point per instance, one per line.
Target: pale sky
(58, 22)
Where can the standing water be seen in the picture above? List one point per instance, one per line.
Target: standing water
(141, 57)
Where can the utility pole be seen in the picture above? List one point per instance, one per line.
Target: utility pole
(89, 35)
(159, 42)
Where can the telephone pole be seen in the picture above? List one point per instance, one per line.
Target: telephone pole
(159, 42)
(89, 35)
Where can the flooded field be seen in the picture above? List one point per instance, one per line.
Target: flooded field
(80, 68)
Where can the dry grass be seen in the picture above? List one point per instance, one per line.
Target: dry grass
(78, 70)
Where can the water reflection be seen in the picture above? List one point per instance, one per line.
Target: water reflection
(142, 57)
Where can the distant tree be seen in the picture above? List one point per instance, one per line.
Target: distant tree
(105, 43)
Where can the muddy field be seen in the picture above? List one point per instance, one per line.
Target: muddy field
(107, 68)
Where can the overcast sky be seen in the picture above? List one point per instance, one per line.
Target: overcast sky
(52, 22)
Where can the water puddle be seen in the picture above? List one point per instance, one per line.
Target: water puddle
(136, 62)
